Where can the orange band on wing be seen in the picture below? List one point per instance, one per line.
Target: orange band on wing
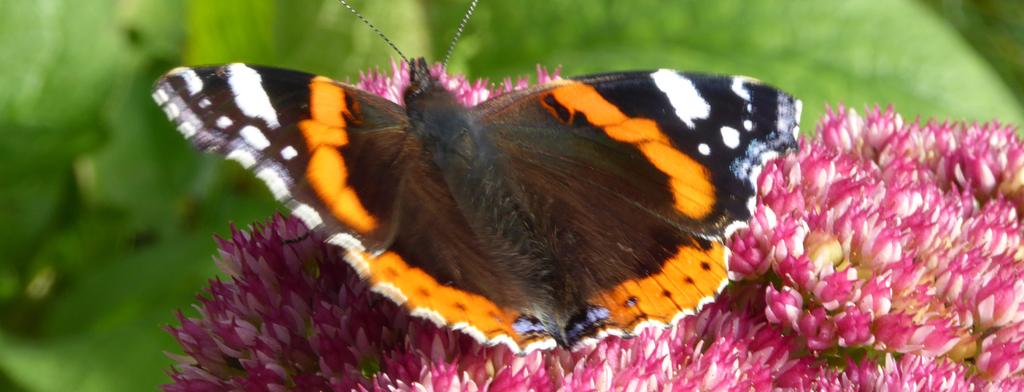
(326, 172)
(692, 189)
(321, 135)
(456, 306)
(690, 276)
(327, 102)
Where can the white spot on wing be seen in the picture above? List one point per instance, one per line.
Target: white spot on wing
(739, 87)
(308, 215)
(470, 330)
(755, 173)
(393, 293)
(288, 152)
(428, 314)
(799, 109)
(346, 241)
(704, 149)
(254, 137)
(247, 87)
(544, 344)
(789, 114)
(223, 122)
(187, 128)
(243, 157)
(748, 125)
(732, 227)
(204, 103)
(192, 82)
(171, 110)
(356, 260)
(731, 137)
(277, 184)
(160, 96)
(683, 96)
(504, 339)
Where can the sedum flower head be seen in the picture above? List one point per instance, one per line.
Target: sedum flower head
(882, 256)
(899, 241)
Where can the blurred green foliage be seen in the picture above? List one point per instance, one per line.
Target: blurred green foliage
(995, 28)
(108, 214)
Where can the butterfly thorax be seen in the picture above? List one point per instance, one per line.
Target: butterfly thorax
(450, 135)
(442, 124)
(466, 157)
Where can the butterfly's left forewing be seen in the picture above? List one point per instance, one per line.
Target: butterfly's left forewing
(308, 137)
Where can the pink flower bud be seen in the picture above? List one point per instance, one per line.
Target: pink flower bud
(783, 307)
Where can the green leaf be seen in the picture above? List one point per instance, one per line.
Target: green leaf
(128, 358)
(315, 36)
(324, 38)
(154, 27)
(994, 29)
(63, 56)
(66, 59)
(230, 31)
(28, 206)
(161, 277)
(105, 331)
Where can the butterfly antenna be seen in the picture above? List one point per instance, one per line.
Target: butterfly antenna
(375, 29)
(458, 32)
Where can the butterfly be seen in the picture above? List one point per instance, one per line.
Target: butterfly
(548, 216)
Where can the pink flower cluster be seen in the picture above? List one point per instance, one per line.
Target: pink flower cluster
(896, 239)
(882, 256)
(392, 85)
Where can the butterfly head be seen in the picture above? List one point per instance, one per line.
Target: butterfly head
(421, 83)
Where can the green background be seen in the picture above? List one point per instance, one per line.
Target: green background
(106, 214)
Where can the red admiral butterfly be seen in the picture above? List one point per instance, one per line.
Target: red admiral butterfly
(549, 215)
